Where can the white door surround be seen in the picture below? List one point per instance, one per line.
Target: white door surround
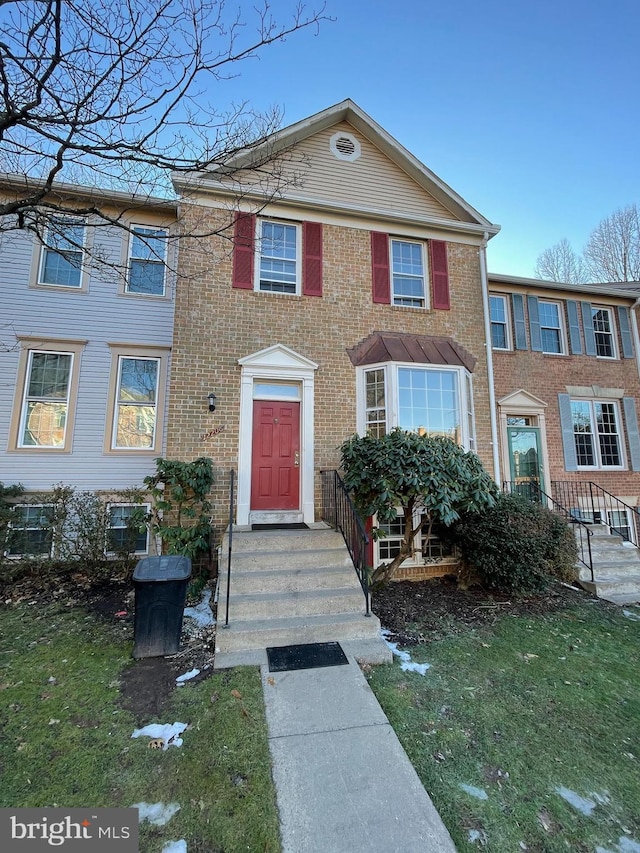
(276, 363)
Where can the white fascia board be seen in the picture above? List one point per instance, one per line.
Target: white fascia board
(630, 293)
(250, 200)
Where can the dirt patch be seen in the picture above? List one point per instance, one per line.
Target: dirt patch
(425, 611)
(147, 684)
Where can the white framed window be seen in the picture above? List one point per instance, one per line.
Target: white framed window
(62, 253)
(499, 313)
(619, 522)
(375, 402)
(134, 423)
(278, 257)
(604, 332)
(125, 535)
(407, 274)
(427, 548)
(597, 434)
(147, 261)
(45, 405)
(551, 327)
(425, 399)
(30, 531)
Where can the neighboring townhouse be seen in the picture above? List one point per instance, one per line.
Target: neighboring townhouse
(566, 378)
(85, 342)
(350, 296)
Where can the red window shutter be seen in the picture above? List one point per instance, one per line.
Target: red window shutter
(440, 275)
(380, 267)
(243, 237)
(312, 258)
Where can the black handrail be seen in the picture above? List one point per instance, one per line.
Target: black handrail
(594, 499)
(232, 475)
(531, 490)
(338, 511)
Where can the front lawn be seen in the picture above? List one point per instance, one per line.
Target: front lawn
(66, 733)
(526, 729)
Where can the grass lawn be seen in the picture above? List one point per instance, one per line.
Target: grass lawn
(510, 716)
(66, 739)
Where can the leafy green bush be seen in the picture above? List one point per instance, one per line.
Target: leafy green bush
(430, 479)
(515, 545)
(180, 511)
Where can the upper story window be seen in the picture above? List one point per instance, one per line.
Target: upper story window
(499, 322)
(62, 253)
(134, 424)
(426, 400)
(278, 257)
(551, 328)
(43, 421)
(603, 330)
(147, 261)
(596, 433)
(407, 274)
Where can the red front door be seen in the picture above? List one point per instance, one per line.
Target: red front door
(275, 464)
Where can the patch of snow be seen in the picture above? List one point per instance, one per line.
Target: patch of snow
(583, 805)
(631, 615)
(407, 664)
(201, 613)
(624, 845)
(169, 733)
(187, 675)
(175, 847)
(478, 793)
(156, 813)
(477, 835)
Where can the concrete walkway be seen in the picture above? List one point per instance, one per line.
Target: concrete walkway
(344, 784)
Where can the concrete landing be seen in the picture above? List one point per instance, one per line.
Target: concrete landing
(343, 781)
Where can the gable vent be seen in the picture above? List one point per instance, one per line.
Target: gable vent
(345, 146)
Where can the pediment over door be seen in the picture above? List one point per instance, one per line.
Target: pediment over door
(522, 400)
(278, 357)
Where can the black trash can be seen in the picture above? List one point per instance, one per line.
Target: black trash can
(161, 588)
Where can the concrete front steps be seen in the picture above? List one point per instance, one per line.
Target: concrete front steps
(616, 567)
(290, 587)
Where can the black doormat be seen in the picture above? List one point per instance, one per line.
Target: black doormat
(294, 525)
(305, 656)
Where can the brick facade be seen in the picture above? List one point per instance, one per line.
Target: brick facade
(215, 325)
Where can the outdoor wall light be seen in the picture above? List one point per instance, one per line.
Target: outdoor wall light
(211, 397)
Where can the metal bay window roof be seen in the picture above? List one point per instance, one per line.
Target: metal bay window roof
(420, 349)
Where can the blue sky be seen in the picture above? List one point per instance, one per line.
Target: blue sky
(529, 110)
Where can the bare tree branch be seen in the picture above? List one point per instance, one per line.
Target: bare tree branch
(121, 94)
(560, 263)
(612, 252)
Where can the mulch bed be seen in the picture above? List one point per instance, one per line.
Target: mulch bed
(427, 611)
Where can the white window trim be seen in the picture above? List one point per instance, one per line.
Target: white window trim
(417, 558)
(258, 256)
(27, 555)
(561, 327)
(392, 398)
(425, 274)
(44, 247)
(145, 506)
(116, 403)
(596, 435)
(25, 397)
(613, 332)
(163, 260)
(507, 322)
